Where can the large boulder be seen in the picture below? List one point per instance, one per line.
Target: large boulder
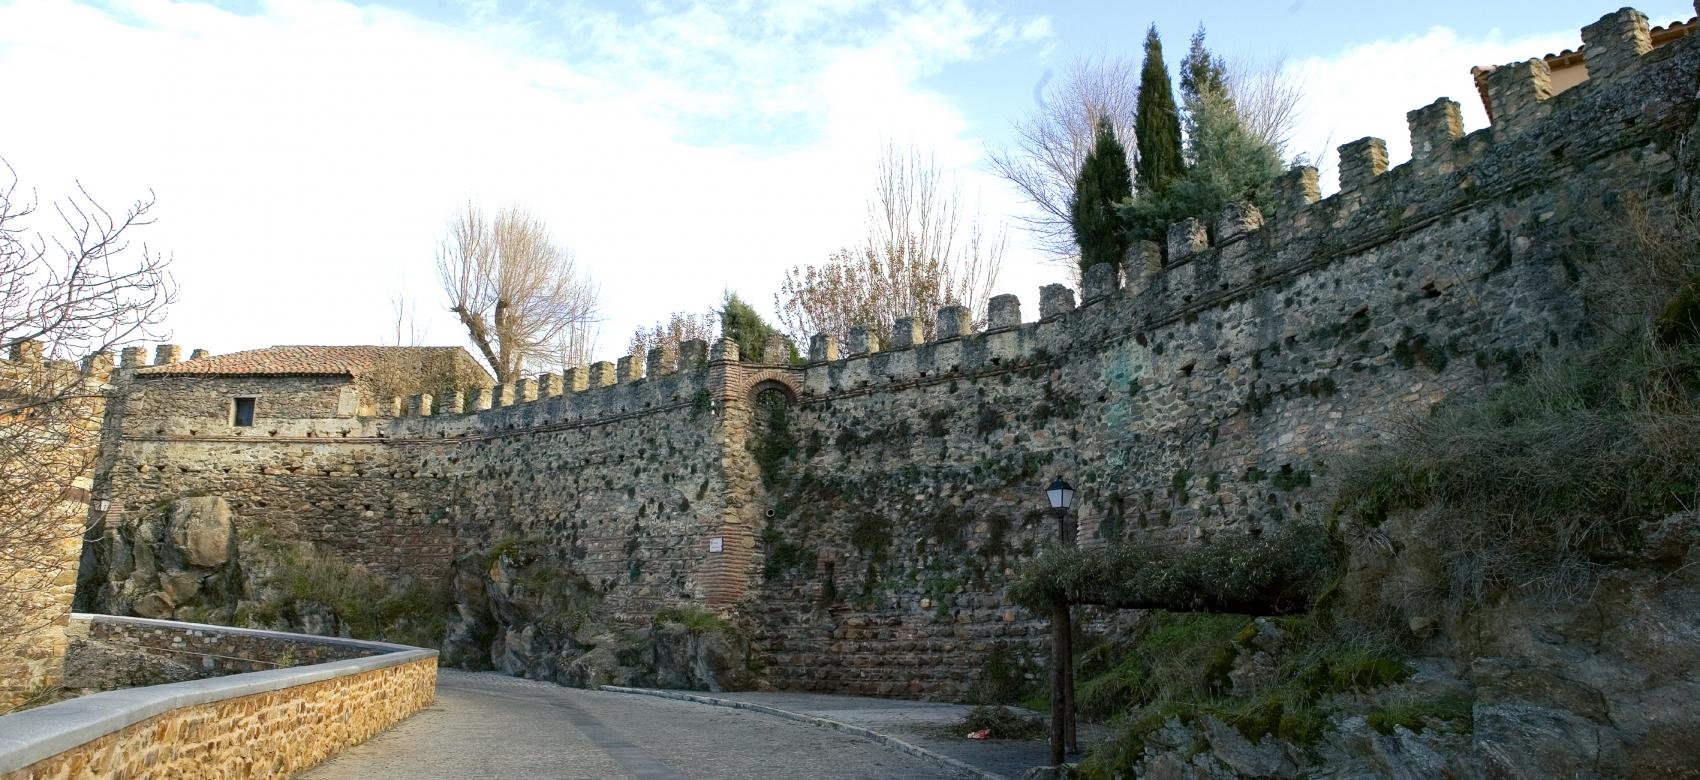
(201, 528)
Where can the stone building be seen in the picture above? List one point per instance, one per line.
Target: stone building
(859, 512)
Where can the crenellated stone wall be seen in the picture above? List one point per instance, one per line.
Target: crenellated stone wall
(859, 513)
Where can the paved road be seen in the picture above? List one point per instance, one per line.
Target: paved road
(493, 726)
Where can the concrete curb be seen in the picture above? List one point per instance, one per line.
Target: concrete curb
(32, 735)
(827, 723)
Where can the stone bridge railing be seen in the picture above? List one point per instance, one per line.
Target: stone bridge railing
(261, 724)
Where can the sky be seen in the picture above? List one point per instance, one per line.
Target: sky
(306, 155)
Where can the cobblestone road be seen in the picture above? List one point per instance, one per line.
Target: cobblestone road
(492, 726)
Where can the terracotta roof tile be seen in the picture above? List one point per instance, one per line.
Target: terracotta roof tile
(299, 360)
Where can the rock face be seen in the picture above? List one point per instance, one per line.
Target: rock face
(531, 617)
(201, 529)
(178, 562)
(1596, 684)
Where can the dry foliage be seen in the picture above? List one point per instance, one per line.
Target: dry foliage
(77, 291)
(1269, 99)
(680, 327)
(442, 373)
(516, 291)
(1052, 142)
(921, 252)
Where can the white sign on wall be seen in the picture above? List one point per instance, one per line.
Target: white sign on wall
(716, 544)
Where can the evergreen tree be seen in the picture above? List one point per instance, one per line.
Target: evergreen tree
(1157, 124)
(1103, 182)
(740, 323)
(1230, 163)
(1201, 72)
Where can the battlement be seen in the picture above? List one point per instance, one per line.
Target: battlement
(1211, 263)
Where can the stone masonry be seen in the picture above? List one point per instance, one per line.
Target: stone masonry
(859, 512)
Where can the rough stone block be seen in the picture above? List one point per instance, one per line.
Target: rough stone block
(26, 352)
(166, 354)
(482, 398)
(1360, 162)
(1003, 311)
(576, 379)
(396, 407)
(628, 369)
(693, 354)
(863, 341)
(506, 394)
(823, 347)
(525, 390)
(724, 349)
(1518, 94)
(419, 405)
(1055, 300)
(1238, 219)
(601, 374)
(198, 354)
(98, 364)
(1435, 130)
(550, 385)
(1614, 44)
(906, 332)
(1294, 191)
(1100, 281)
(454, 403)
(1144, 258)
(953, 321)
(134, 357)
(661, 360)
(1186, 238)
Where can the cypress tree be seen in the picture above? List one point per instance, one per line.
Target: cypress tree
(1157, 124)
(1103, 182)
(740, 322)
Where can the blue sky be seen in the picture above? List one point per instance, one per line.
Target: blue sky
(307, 153)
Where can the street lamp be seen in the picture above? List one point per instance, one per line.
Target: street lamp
(1061, 496)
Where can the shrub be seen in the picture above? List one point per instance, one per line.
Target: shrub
(1269, 574)
(1004, 723)
(1545, 480)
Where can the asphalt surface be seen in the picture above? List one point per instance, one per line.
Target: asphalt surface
(494, 726)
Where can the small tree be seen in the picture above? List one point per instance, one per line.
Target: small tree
(1052, 142)
(680, 327)
(918, 254)
(741, 323)
(517, 292)
(1102, 183)
(1157, 125)
(76, 291)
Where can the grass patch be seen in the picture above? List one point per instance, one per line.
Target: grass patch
(696, 619)
(1545, 481)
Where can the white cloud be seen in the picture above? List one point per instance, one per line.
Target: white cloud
(306, 156)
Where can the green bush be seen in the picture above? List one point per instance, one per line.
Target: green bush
(1269, 574)
(1004, 723)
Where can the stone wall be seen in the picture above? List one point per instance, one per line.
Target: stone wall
(262, 725)
(860, 513)
(217, 650)
(50, 426)
(1214, 393)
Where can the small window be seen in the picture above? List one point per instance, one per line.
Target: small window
(243, 416)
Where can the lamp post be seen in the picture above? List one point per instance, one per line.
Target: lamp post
(1061, 496)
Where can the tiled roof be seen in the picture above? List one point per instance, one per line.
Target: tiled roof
(1570, 57)
(297, 361)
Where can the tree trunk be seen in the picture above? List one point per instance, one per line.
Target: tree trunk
(1059, 689)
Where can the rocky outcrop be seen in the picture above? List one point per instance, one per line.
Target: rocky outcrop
(530, 615)
(173, 563)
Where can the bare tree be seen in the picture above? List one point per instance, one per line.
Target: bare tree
(406, 321)
(515, 290)
(1053, 140)
(1268, 97)
(680, 327)
(77, 291)
(919, 253)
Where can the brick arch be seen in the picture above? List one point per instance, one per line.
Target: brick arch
(779, 379)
